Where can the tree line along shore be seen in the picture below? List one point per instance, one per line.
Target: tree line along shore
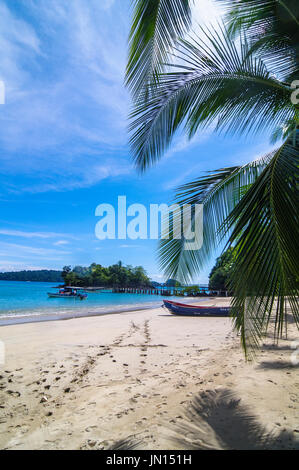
(119, 275)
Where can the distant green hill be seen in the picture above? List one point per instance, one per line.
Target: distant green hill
(117, 275)
(43, 275)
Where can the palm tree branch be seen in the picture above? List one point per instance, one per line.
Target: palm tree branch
(155, 28)
(292, 15)
(272, 29)
(219, 192)
(219, 83)
(265, 235)
(199, 99)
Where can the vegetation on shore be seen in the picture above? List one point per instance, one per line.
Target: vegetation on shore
(41, 275)
(219, 278)
(96, 275)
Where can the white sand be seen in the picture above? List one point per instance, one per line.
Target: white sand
(90, 382)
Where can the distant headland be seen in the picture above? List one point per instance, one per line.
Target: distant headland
(41, 275)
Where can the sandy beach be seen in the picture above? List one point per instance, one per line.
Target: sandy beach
(145, 379)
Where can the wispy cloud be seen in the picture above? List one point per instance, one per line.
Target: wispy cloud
(130, 246)
(18, 40)
(7, 265)
(23, 250)
(65, 98)
(61, 243)
(181, 178)
(19, 233)
(207, 12)
(77, 178)
(182, 143)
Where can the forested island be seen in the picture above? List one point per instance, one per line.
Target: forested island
(116, 275)
(119, 275)
(42, 275)
(97, 275)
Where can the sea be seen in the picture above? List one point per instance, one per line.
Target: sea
(22, 302)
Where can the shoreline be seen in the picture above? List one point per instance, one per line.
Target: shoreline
(107, 310)
(155, 380)
(41, 318)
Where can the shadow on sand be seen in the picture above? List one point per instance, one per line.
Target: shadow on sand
(278, 365)
(218, 420)
(276, 348)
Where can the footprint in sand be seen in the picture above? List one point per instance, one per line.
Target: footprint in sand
(13, 394)
(133, 400)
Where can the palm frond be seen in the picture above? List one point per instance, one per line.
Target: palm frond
(265, 236)
(284, 131)
(218, 82)
(219, 192)
(155, 28)
(272, 27)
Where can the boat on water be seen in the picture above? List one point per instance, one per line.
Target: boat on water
(178, 308)
(67, 293)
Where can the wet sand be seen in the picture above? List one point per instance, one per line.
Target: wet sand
(154, 380)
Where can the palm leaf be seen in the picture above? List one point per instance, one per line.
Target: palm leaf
(155, 28)
(222, 82)
(219, 192)
(256, 206)
(272, 27)
(265, 235)
(217, 83)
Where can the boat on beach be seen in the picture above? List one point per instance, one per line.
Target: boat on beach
(67, 293)
(178, 308)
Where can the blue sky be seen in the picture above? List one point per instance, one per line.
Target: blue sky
(63, 139)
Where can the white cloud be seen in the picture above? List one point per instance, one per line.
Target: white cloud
(65, 99)
(66, 103)
(19, 233)
(205, 12)
(7, 265)
(130, 246)
(157, 277)
(23, 250)
(172, 184)
(61, 243)
(17, 41)
(182, 143)
(77, 177)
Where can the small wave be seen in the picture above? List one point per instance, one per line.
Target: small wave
(65, 314)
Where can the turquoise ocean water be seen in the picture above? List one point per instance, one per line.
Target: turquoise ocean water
(28, 301)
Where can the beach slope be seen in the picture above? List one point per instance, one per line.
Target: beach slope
(155, 380)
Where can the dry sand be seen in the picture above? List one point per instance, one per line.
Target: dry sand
(155, 380)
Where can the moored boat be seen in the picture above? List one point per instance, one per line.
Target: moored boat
(67, 293)
(178, 308)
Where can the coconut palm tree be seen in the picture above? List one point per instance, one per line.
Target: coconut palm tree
(237, 78)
